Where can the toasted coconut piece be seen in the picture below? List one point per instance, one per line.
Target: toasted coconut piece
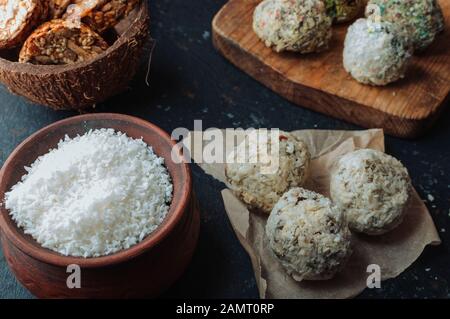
(60, 42)
(58, 7)
(100, 15)
(18, 19)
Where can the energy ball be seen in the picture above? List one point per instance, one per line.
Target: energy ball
(18, 19)
(260, 184)
(308, 235)
(423, 19)
(376, 53)
(59, 42)
(344, 10)
(293, 25)
(372, 189)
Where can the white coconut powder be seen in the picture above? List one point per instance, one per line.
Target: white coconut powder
(94, 195)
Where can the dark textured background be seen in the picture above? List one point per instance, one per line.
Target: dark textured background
(190, 80)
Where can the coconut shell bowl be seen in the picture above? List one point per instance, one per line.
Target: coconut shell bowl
(144, 270)
(81, 85)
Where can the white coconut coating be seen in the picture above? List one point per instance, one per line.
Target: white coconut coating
(376, 53)
(255, 184)
(293, 25)
(308, 235)
(373, 189)
(422, 19)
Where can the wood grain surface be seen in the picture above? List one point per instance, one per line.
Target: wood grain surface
(319, 82)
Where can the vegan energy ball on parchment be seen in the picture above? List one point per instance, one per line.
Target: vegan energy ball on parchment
(344, 10)
(293, 25)
(18, 19)
(254, 183)
(394, 252)
(373, 189)
(422, 19)
(60, 42)
(376, 53)
(100, 15)
(308, 235)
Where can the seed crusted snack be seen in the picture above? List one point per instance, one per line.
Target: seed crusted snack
(57, 8)
(344, 10)
(308, 235)
(423, 19)
(261, 189)
(293, 25)
(376, 53)
(101, 15)
(372, 189)
(18, 19)
(58, 42)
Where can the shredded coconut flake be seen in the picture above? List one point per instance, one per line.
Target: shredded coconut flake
(94, 195)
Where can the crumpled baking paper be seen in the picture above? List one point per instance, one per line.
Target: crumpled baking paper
(392, 252)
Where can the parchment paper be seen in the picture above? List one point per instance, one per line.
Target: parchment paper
(393, 252)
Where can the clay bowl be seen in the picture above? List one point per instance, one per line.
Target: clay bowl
(144, 270)
(81, 85)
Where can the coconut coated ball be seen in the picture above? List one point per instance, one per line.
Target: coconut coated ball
(423, 19)
(373, 189)
(308, 235)
(376, 53)
(260, 185)
(293, 25)
(344, 10)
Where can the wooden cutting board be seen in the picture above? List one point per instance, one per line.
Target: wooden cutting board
(319, 82)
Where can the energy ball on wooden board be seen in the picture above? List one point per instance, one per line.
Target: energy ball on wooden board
(261, 189)
(308, 235)
(57, 8)
(101, 15)
(344, 10)
(373, 189)
(18, 19)
(376, 53)
(423, 19)
(59, 42)
(293, 25)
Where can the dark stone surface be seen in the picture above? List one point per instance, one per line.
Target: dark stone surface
(190, 80)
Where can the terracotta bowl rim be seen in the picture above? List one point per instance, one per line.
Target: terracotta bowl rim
(131, 31)
(16, 235)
